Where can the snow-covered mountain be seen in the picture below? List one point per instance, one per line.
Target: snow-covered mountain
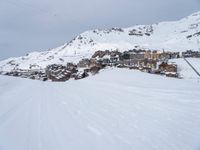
(172, 36)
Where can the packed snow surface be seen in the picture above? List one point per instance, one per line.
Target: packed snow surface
(178, 35)
(195, 62)
(117, 109)
(185, 70)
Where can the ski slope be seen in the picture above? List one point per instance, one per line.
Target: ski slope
(117, 109)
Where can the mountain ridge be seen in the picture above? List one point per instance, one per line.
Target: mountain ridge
(179, 35)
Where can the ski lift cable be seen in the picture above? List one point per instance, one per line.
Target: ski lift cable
(36, 9)
(26, 5)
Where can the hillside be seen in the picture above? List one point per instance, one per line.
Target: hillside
(172, 36)
(116, 110)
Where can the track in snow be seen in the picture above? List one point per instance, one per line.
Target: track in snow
(192, 67)
(117, 109)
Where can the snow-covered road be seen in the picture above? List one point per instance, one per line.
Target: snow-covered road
(115, 110)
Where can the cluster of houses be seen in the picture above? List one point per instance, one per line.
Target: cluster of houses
(190, 53)
(31, 74)
(147, 61)
(154, 62)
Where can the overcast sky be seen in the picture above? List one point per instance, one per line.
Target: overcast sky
(36, 25)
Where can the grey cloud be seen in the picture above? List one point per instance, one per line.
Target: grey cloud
(28, 25)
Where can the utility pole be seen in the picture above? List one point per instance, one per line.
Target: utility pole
(198, 44)
(198, 41)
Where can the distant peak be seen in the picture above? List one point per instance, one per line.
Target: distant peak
(195, 14)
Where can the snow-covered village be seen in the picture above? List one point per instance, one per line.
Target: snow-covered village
(154, 62)
(100, 75)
